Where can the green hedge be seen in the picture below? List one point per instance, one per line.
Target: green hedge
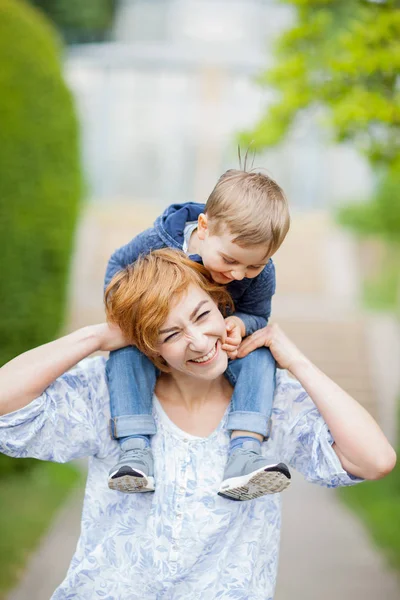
(80, 21)
(40, 180)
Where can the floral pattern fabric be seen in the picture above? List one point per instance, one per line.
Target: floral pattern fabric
(182, 541)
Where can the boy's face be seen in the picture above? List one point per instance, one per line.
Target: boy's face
(225, 260)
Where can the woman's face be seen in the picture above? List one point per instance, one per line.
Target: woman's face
(190, 338)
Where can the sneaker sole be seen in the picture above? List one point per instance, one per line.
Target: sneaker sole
(267, 480)
(131, 484)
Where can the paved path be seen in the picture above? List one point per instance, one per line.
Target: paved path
(49, 564)
(325, 552)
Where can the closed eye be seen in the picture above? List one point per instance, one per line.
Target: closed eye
(229, 262)
(170, 337)
(173, 335)
(206, 312)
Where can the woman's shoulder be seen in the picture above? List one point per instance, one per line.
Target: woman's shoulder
(89, 372)
(84, 386)
(93, 366)
(289, 389)
(291, 401)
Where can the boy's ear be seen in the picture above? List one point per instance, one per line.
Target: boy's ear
(202, 226)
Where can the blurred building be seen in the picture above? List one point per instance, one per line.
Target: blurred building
(161, 105)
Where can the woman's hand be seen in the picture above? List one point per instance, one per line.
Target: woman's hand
(286, 354)
(110, 337)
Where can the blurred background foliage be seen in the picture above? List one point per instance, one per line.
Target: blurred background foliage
(80, 21)
(40, 192)
(40, 180)
(339, 62)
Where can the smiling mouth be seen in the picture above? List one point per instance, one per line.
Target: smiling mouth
(224, 277)
(207, 357)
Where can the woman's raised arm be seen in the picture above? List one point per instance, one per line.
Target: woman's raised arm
(360, 444)
(26, 377)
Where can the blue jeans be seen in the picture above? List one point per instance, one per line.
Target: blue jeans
(132, 379)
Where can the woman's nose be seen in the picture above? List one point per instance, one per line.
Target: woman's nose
(198, 341)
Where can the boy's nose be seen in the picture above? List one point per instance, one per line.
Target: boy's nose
(238, 275)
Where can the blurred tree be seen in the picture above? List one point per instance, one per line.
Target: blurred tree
(40, 180)
(80, 21)
(344, 57)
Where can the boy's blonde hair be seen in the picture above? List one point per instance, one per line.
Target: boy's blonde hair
(252, 207)
(138, 299)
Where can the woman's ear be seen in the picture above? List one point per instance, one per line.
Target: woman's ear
(202, 226)
(162, 364)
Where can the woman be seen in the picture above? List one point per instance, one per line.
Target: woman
(184, 540)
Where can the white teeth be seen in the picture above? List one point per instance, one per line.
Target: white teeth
(207, 356)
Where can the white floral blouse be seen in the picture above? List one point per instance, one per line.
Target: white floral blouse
(183, 541)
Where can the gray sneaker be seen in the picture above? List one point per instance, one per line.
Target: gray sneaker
(134, 472)
(249, 475)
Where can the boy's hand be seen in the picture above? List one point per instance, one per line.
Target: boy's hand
(234, 335)
(283, 350)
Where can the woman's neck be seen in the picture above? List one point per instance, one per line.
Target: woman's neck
(181, 389)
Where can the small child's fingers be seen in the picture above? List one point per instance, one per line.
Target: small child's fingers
(229, 348)
(235, 336)
(232, 355)
(232, 340)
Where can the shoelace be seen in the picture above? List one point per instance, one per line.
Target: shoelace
(247, 451)
(136, 454)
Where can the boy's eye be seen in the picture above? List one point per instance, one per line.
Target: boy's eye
(228, 262)
(207, 312)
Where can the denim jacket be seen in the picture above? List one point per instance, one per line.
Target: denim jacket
(252, 297)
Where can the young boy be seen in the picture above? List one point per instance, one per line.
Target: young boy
(234, 235)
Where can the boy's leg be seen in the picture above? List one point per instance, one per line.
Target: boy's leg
(131, 380)
(248, 474)
(253, 378)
